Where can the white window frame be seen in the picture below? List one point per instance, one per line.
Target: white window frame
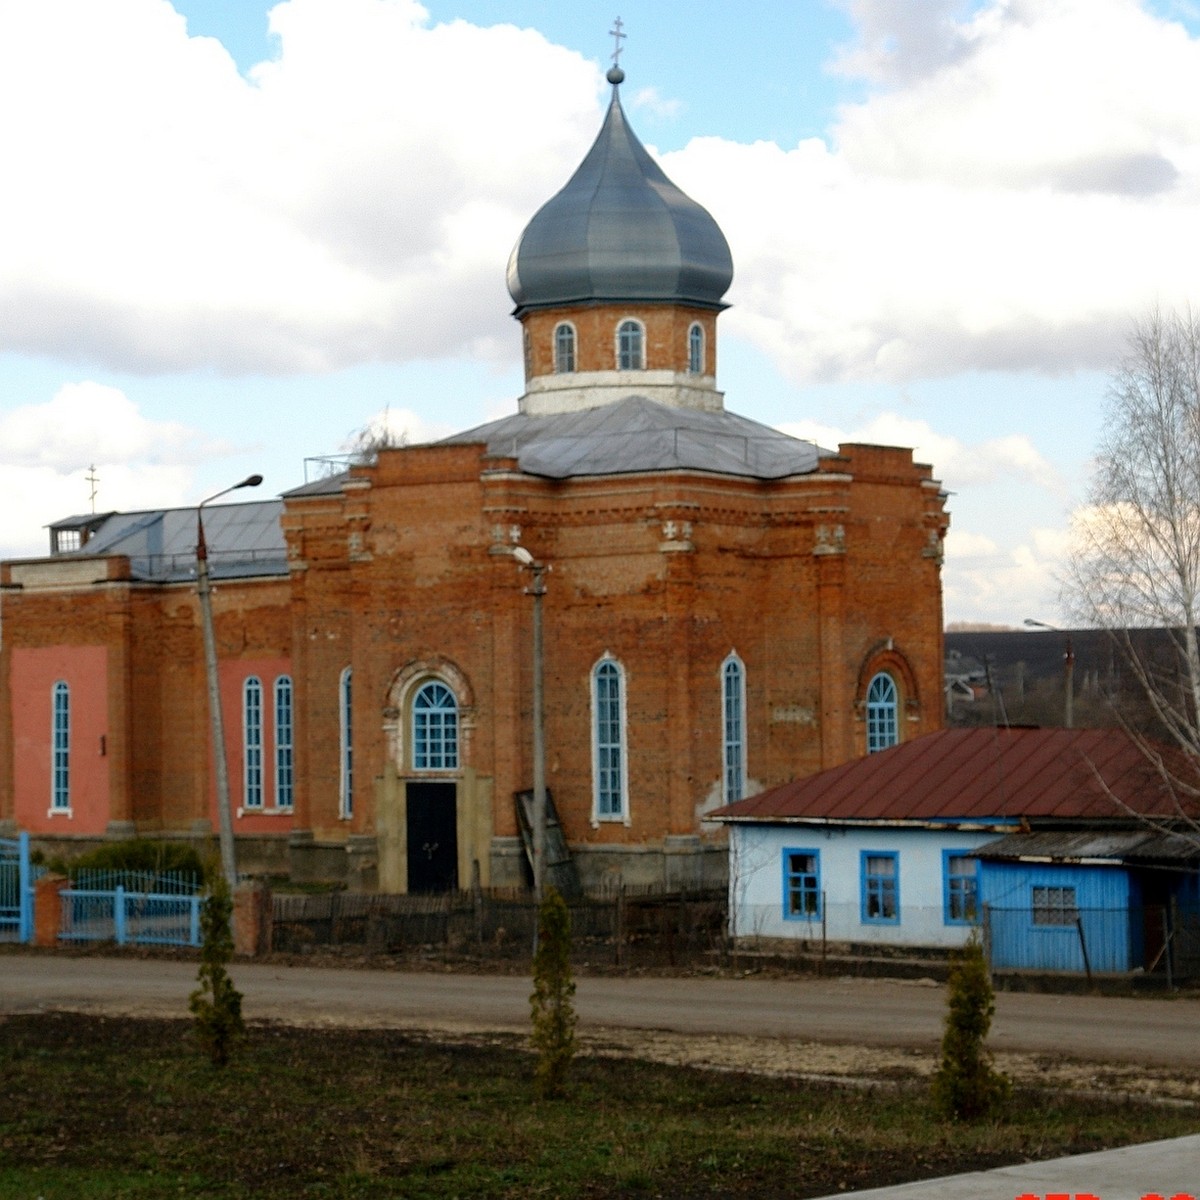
(252, 744)
(559, 367)
(631, 324)
(436, 747)
(285, 742)
(696, 349)
(883, 713)
(602, 771)
(60, 748)
(733, 741)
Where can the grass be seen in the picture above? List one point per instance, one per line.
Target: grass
(107, 1107)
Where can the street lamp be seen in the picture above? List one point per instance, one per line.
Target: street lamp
(537, 591)
(217, 725)
(1068, 670)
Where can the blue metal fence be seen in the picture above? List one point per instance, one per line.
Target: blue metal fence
(16, 890)
(132, 908)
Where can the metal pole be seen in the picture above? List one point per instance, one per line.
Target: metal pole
(539, 739)
(216, 721)
(1069, 682)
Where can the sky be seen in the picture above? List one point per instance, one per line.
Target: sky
(232, 235)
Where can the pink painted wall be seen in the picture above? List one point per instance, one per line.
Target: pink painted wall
(84, 669)
(233, 676)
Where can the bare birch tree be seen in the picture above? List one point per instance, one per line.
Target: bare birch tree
(1135, 560)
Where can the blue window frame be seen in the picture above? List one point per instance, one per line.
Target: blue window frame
(960, 888)
(883, 729)
(880, 887)
(252, 743)
(285, 773)
(608, 739)
(696, 350)
(733, 704)
(345, 745)
(629, 346)
(564, 348)
(801, 885)
(60, 748)
(435, 728)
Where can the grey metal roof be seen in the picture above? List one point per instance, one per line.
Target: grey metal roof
(243, 540)
(619, 230)
(637, 434)
(1115, 845)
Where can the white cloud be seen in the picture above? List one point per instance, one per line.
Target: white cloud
(999, 200)
(956, 464)
(88, 436)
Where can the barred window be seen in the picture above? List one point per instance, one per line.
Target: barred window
(1054, 906)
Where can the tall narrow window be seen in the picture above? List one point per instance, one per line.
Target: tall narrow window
(60, 748)
(608, 739)
(961, 889)
(733, 697)
(346, 747)
(880, 887)
(435, 728)
(252, 743)
(284, 741)
(696, 350)
(882, 726)
(564, 348)
(629, 346)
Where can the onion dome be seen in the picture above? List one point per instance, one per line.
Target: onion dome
(619, 230)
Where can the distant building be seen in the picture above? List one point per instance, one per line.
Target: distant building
(726, 607)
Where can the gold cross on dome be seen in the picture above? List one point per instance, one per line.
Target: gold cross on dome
(618, 38)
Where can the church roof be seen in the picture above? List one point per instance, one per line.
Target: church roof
(637, 434)
(619, 230)
(244, 540)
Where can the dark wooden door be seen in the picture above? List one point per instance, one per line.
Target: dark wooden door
(432, 837)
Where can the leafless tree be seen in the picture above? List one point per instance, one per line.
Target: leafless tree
(1135, 560)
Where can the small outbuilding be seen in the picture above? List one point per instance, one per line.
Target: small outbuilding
(1068, 850)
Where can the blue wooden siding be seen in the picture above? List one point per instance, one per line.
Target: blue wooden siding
(1101, 901)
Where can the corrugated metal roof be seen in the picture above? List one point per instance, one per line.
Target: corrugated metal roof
(977, 774)
(637, 434)
(244, 540)
(1118, 846)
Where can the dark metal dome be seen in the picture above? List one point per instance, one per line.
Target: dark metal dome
(619, 230)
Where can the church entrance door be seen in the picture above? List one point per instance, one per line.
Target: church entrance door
(432, 837)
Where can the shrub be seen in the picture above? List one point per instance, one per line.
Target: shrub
(216, 1003)
(553, 1012)
(966, 1087)
(140, 854)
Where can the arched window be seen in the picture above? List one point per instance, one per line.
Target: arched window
(345, 747)
(60, 748)
(733, 706)
(564, 348)
(434, 728)
(608, 740)
(696, 350)
(284, 743)
(629, 346)
(883, 730)
(252, 743)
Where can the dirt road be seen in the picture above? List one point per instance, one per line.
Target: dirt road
(863, 1012)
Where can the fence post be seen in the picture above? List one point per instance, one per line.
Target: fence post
(24, 890)
(48, 909)
(619, 940)
(1087, 966)
(194, 928)
(119, 914)
(1166, 924)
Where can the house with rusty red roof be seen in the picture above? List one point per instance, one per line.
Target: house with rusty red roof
(1069, 849)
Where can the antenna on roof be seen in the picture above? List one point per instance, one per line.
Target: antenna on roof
(94, 480)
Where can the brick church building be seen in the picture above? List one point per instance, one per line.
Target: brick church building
(725, 607)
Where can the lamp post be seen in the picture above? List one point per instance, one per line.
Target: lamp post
(1068, 670)
(217, 725)
(537, 591)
